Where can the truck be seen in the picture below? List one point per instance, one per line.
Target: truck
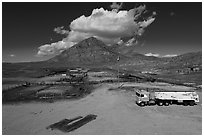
(166, 98)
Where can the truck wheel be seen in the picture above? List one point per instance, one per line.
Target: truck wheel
(185, 103)
(166, 103)
(191, 103)
(160, 103)
(142, 104)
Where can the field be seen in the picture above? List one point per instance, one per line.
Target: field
(115, 108)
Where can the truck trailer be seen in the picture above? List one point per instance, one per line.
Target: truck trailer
(144, 97)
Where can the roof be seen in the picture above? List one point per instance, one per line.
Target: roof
(141, 91)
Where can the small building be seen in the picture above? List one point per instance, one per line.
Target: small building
(64, 75)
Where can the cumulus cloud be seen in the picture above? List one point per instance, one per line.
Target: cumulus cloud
(152, 54)
(54, 48)
(115, 6)
(61, 30)
(158, 55)
(105, 25)
(170, 55)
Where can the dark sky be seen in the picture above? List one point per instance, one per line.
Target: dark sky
(26, 26)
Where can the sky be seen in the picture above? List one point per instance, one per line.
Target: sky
(39, 31)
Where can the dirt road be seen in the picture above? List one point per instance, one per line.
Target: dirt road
(116, 113)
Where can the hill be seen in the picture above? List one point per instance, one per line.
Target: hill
(188, 60)
(89, 52)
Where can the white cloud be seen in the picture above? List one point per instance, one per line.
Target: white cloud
(12, 55)
(170, 55)
(130, 42)
(158, 55)
(108, 26)
(61, 30)
(54, 48)
(152, 54)
(115, 6)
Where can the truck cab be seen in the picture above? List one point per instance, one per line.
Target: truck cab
(142, 97)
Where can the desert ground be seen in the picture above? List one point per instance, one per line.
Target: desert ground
(116, 110)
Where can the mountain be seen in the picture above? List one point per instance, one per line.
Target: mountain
(187, 60)
(89, 52)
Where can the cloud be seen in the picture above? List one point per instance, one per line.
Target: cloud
(61, 30)
(115, 6)
(12, 55)
(158, 55)
(54, 48)
(131, 42)
(170, 55)
(152, 54)
(105, 25)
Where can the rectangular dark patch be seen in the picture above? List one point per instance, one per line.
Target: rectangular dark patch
(62, 123)
(68, 125)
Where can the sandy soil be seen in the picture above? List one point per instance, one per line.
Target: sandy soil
(116, 113)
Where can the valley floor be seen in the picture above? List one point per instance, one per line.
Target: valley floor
(116, 113)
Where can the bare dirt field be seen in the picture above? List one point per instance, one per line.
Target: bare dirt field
(116, 113)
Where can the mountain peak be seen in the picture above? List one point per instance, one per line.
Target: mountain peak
(91, 39)
(90, 51)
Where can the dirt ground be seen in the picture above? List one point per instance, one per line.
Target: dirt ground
(116, 113)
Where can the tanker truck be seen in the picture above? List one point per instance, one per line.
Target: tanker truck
(144, 97)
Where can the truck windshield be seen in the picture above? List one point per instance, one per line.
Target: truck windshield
(139, 95)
